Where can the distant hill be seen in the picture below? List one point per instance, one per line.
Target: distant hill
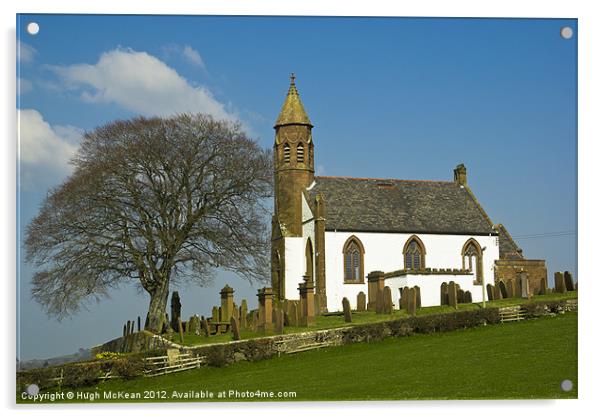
(82, 354)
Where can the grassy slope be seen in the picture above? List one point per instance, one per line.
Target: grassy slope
(527, 359)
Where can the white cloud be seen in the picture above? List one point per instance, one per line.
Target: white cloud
(44, 150)
(140, 83)
(193, 56)
(24, 85)
(25, 53)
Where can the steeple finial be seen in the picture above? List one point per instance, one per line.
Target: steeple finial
(292, 111)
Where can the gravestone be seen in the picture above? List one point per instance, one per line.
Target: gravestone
(243, 310)
(568, 281)
(524, 286)
(235, 328)
(227, 303)
(193, 325)
(346, 310)
(214, 314)
(361, 302)
(139, 324)
(293, 313)
(444, 294)
(376, 284)
(460, 296)
(387, 307)
(497, 294)
(306, 297)
(235, 312)
(125, 333)
(490, 292)
(255, 320)
(181, 331)
(410, 300)
(278, 321)
(509, 288)
(176, 308)
(205, 327)
(543, 285)
(467, 297)
(452, 292)
(265, 298)
(503, 290)
(559, 283)
(418, 297)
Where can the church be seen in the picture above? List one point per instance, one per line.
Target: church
(331, 232)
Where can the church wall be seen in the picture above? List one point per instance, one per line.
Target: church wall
(294, 248)
(384, 252)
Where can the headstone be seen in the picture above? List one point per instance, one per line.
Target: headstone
(227, 303)
(125, 331)
(460, 296)
(497, 294)
(490, 293)
(235, 328)
(411, 300)
(129, 327)
(387, 302)
(568, 281)
(503, 289)
(255, 320)
(452, 291)
(278, 321)
(265, 298)
(293, 313)
(146, 322)
(346, 310)
(418, 297)
(306, 296)
(376, 285)
(509, 288)
(243, 314)
(543, 286)
(361, 302)
(559, 283)
(444, 294)
(235, 312)
(467, 297)
(220, 315)
(193, 325)
(139, 324)
(205, 326)
(181, 331)
(317, 302)
(524, 286)
(215, 314)
(176, 308)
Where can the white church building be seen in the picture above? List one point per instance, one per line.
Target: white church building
(333, 231)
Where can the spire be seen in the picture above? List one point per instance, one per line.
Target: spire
(292, 110)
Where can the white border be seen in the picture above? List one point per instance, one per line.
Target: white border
(588, 210)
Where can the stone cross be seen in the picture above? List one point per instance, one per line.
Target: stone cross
(235, 328)
(376, 285)
(346, 310)
(361, 302)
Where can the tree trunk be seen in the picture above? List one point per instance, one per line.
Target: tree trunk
(156, 308)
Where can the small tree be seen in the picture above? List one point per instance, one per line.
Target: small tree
(151, 201)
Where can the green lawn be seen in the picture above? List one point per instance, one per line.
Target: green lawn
(527, 360)
(334, 321)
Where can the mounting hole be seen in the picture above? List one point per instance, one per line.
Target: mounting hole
(33, 28)
(566, 385)
(566, 32)
(33, 389)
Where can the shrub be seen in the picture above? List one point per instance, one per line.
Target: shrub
(43, 377)
(128, 368)
(81, 374)
(108, 355)
(219, 355)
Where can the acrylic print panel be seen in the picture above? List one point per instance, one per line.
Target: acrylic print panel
(192, 188)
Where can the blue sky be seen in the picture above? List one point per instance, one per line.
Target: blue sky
(389, 97)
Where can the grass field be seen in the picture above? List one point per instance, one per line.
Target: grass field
(334, 321)
(523, 360)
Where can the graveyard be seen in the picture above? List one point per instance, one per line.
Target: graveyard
(463, 364)
(292, 329)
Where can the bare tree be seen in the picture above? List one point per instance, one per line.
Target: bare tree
(151, 201)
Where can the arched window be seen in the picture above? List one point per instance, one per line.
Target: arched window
(300, 152)
(472, 259)
(353, 257)
(287, 153)
(309, 260)
(413, 254)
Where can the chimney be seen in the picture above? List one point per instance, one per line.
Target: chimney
(460, 175)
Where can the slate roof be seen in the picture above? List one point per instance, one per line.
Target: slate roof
(383, 205)
(508, 248)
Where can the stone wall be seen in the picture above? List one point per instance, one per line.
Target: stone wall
(509, 270)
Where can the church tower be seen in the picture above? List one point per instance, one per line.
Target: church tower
(293, 173)
(293, 161)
